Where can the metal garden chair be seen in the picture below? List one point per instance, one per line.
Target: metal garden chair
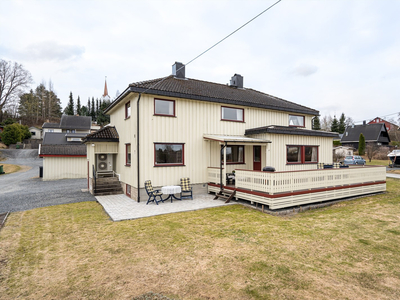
(153, 194)
(186, 189)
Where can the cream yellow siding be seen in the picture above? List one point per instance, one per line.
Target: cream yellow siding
(64, 167)
(192, 120)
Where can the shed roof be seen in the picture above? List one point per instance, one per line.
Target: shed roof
(50, 125)
(290, 130)
(213, 92)
(70, 150)
(57, 138)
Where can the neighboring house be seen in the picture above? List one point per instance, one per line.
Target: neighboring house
(70, 124)
(36, 133)
(180, 127)
(64, 155)
(373, 133)
(389, 125)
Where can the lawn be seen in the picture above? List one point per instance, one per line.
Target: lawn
(11, 168)
(346, 251)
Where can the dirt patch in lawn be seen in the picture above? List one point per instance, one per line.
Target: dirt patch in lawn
(8, 169)
(347, 251)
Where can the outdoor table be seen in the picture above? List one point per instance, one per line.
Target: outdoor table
(171, 190)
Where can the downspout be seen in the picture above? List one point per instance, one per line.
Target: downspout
(137, 148)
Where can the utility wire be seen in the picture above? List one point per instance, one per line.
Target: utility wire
(382, 117)
(204, 52)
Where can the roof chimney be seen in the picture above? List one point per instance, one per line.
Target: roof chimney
(364, 123)
(237, 81)
(178, 70)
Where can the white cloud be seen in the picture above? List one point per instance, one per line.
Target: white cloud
(304, 70)
(50, 51)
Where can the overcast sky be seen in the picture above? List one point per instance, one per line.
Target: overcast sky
(331, 55)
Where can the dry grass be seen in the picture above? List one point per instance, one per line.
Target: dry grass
(13, 168)
(377, 162)
(347, 251)
(2, 146)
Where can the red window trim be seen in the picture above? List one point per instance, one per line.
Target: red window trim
(170, 165)
(244, 156)
(126, 110)
(126, 155)
(60, 155)
(164, 115)
(303, 155)
(229, 119)
(304, 121)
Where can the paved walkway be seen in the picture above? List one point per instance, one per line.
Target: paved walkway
(393, 175)
(121, 207)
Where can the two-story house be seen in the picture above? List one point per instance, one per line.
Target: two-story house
(168, 128)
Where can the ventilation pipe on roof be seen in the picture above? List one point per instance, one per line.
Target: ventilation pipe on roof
(178, 70)
(237, 81)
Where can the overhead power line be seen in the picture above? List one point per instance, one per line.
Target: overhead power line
(219, 42)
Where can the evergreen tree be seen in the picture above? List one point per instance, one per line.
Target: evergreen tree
(92, 111)
(15, 133)
(316, 125)
(361, 145)
(342, 123)
(78, 107)
(335, 125)
(103, 119)
(88, 107)
(84, 111)
(69, 110)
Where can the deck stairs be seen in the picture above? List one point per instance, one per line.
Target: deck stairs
(227, 195)
(108, 186)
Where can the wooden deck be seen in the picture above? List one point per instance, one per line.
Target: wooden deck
(287, 189)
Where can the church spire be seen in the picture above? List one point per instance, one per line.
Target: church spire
(105, 88)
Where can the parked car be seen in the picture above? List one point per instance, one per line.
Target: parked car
(354, 160)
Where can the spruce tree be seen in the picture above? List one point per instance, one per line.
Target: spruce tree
(316, 125)
(69, 110)
(88, 107)
(342, 123)
(361, 145)
(335, 125)
(78, 107)
(92, 110)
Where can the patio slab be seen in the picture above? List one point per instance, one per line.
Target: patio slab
(121, 207)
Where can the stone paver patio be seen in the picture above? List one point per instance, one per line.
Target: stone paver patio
(121, 207)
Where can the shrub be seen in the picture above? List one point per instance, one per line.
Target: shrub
(382, 153)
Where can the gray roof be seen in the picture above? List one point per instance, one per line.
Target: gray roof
(371, 132)
(57, 138)
(73, 150)
(75, 122)
(50, 125)
(290, 130)
(212, 92)
(105, 134)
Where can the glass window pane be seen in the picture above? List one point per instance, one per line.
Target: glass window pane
(293, 154)
(164, 107)
(169, 153)
(234, 154)
(234, 114)
(311, 154)
(296, 121)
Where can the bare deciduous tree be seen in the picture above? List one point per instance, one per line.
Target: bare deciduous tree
(371, 149)
(13, 80)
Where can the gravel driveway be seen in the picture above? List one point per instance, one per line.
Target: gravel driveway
(25, 190)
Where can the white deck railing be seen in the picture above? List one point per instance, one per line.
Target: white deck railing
(281, 182)
(292, 181)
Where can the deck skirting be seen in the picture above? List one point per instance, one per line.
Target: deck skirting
(278, 201)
